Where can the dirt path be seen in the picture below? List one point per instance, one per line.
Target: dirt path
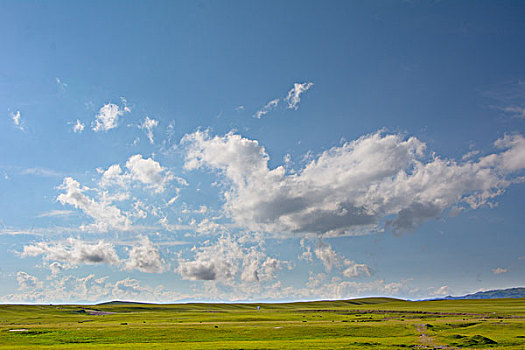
(427, 342)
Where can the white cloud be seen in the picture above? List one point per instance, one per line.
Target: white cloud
(56, 268)
(514, 157)
(149, 172)
(228, 259)
(362, 186)
(145, 171)
(442, 291)
(108, 116)
(327, 255)
(113, 176)
(74, 252)
(147, 125)
(17, 120)
(355, 270)
(330, 259)
(499, 270)
(267, 108)
(78, 127)
(26, 281)
(106, 216)
(145, 257)
(294, 95)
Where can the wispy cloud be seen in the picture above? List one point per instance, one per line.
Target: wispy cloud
(147, 125)
(61, 84)
(294, 95)
(55, 213)
(106, 216)
(41, 172)
(17, 120)
(516, 111)
(268, 107)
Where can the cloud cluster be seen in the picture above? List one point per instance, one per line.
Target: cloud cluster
(376, 181)
(115, 186)
(108, 117)
(86, 289)
(227, 259)
(143, 255)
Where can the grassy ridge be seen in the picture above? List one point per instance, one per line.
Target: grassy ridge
(378, 323)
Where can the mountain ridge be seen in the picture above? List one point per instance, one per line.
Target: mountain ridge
(517, 292)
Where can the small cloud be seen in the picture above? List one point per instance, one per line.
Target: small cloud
(16, 117)
(294, 95)
(78, 127)
(499, 270)
(268, 107)
(147, 125)
(239, 108)
(60, 83)
(108, 116)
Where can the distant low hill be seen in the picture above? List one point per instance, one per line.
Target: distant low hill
(493, 294)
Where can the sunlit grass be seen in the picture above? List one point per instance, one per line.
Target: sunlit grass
(378, 323)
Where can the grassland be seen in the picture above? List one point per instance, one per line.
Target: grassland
(371, 323)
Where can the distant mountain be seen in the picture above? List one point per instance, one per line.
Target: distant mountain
(493, 294)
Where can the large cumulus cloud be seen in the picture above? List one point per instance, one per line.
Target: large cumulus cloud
(375, 181)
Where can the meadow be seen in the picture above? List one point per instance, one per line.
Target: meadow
(369, 323)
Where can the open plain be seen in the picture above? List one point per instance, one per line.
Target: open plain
(377, 323)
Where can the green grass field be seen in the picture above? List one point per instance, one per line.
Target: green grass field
(378, 323)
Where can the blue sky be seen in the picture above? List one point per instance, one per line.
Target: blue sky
(260, 150)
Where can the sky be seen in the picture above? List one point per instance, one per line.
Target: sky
(171, 151)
